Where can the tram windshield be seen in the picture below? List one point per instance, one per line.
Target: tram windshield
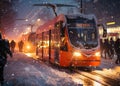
(82, 32)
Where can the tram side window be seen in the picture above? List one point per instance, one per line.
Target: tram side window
(62, 29)
(46, 39)
(39, 40)
(54, 38)
(63, 45)
(59, 25)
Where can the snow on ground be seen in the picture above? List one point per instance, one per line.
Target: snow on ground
(22, 70)
(110, 68)
(108, 63)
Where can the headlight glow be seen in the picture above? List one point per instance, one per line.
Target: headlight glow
(76, 54)
(28, 46)
(97, 54)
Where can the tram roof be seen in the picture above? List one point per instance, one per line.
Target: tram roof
(50, 24)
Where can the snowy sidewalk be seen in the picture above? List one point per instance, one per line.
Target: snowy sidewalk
(22, 70)
(108, 63)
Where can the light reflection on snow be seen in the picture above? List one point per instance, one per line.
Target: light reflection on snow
(78, 81)
(117, 69)
(84, 81)
(29, 54)
(32, 55)
(96, 84)
(111, 73)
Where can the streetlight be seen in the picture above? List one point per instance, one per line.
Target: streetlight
(38, 20)
(110, 23)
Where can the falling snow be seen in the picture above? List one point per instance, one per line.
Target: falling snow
(26, 71)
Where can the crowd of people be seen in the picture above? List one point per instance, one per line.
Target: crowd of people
(110, 48)
(13, 45)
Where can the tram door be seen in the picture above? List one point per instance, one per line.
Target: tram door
(39, 48)
(55, 43)
(46, 46)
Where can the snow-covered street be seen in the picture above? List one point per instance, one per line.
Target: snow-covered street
(23, 70)
(60, 42)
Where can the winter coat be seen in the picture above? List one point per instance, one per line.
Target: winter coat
(117, 46)
(4, 50)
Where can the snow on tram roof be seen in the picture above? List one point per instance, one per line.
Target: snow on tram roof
(87, 16)
(50, 24)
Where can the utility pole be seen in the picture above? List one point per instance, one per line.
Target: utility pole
(31, 27)
(81, 6)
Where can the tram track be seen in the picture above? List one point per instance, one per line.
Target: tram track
(101, 79)
(107, 79)
(93, 76)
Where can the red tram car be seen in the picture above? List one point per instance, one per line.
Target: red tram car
(69, 40)
(29, 42)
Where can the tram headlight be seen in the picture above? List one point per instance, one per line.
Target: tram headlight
(76, 54)
(97, 54)
(28, 47)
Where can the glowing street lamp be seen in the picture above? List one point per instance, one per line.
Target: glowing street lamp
(110, 23)
(38, 20)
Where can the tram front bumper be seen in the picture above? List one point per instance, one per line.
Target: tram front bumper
(80, 63)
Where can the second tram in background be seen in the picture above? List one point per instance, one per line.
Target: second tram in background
(29, 42)
(69, 40)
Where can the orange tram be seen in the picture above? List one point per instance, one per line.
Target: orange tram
(29, 42)
(69, 40)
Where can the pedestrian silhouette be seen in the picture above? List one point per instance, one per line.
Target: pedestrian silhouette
(20, 45)
(101, 47)
(4, 50)
(12, 45)
(117, 50)
(111, 48)
(106, 48)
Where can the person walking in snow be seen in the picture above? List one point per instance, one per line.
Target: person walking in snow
(107, 47)
(111, 50)
(4, 50)
(20, 45)
(117, 50)
(101, 47)
(12, 45)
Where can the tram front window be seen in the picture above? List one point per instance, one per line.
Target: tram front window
(82, 32)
